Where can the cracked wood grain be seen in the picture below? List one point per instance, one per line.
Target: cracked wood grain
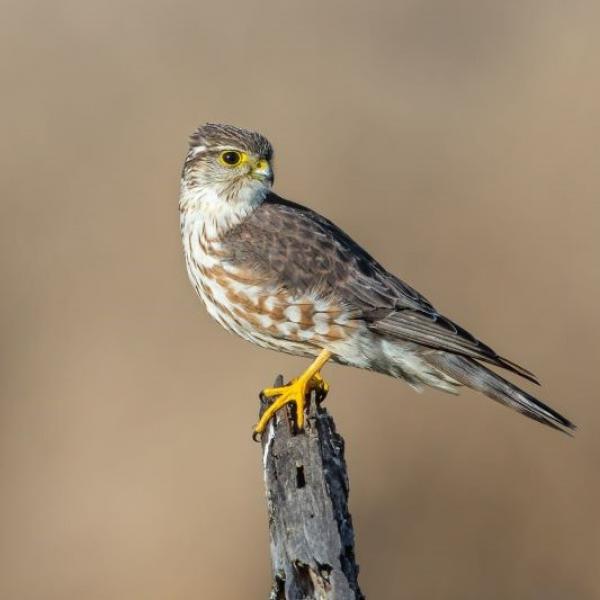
(312, 539)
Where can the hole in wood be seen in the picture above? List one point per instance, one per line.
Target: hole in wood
(300, 480)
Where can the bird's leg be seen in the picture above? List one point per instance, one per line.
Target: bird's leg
(296, 391)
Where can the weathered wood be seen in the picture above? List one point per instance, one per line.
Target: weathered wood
(312, 539)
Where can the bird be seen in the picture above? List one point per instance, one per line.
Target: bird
(280, 275)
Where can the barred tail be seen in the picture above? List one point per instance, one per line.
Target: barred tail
(470, 373)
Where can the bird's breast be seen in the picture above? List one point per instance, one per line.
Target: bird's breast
(253, 305)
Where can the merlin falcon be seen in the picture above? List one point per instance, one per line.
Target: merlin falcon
(283, 277)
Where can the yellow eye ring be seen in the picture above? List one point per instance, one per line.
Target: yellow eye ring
(231, 158)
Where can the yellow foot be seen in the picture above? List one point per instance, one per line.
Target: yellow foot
(297, 391)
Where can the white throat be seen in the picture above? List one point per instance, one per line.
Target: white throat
(210, 210)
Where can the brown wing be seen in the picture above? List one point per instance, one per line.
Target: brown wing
(303, 252)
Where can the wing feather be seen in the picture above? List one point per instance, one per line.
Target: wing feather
(442, 334)
(305, 252)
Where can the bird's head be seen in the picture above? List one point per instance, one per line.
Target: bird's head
(227, 165)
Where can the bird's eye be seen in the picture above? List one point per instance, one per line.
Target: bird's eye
(231, 158)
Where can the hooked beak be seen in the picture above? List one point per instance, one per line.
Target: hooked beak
(262, 171)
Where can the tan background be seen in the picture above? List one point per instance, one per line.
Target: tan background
(459, 141)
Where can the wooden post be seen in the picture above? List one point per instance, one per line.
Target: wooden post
(312, 539)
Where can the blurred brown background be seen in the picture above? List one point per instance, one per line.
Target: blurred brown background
(459, 141)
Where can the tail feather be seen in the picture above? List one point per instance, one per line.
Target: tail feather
(472, 374)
